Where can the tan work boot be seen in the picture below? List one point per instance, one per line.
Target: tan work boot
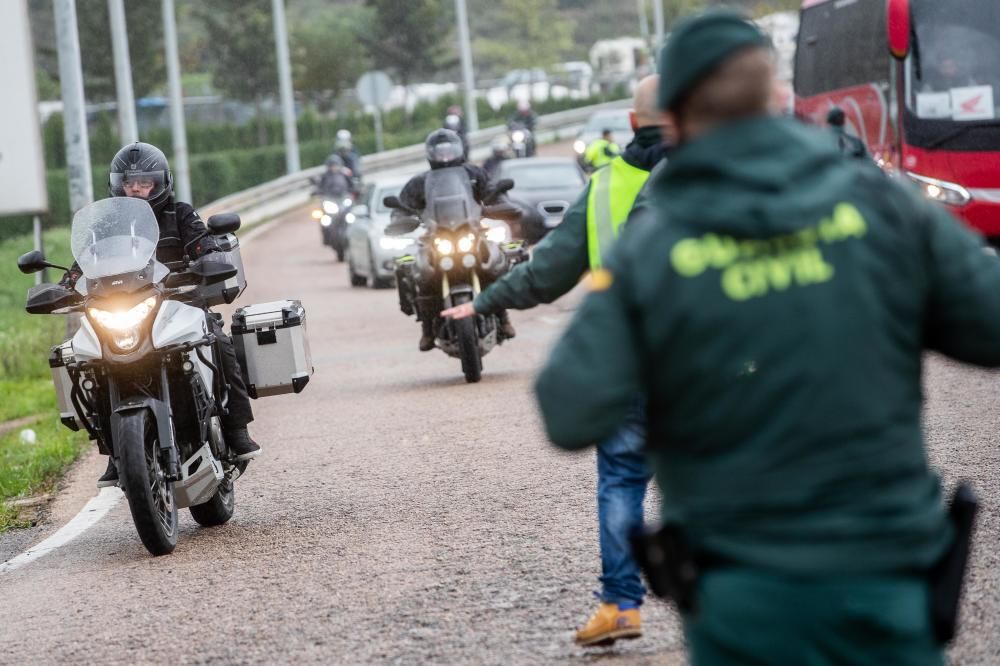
(608, 624)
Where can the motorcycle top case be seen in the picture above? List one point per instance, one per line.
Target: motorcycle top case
(226, 292)
(271, 343)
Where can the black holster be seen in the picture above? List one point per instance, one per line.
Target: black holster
(669, 563)
(947, 576)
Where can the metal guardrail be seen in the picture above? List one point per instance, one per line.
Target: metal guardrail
(279, 195)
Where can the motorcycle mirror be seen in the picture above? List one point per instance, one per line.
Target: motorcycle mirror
(392, 202)
(34, 261)
(503, 185)
(224, 223)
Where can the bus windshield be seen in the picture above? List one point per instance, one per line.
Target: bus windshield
(954, 69)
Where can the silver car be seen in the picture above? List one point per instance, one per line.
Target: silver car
(371, 255)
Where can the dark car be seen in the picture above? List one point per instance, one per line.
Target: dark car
(544, 187)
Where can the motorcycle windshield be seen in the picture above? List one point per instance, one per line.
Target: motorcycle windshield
(450, 202)
(114, 236)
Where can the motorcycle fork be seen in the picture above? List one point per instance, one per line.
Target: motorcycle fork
(162, 413)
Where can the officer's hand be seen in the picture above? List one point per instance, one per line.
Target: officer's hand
(460, 311)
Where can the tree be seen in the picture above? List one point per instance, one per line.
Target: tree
(239, 51)
(523, 34)
(325, 57)
(93, 24)
(411, 39)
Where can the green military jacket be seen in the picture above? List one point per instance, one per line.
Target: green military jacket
(774, 302)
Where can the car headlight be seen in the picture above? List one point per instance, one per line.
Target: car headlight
(517, 136)
(124, 325)
(349, 218)
(444, 246)
(466, 242)
(330, 208)
(497, 234)
(348, 202)
(326, 220)
(392, 243)
(579, 147)
(941, 191)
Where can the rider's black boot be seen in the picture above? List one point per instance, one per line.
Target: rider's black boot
(240, 444)
(110, 477)
(506, 328)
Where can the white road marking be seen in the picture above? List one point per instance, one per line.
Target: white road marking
(95, 509)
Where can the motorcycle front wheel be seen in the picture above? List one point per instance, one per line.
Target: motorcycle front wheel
(150, 496)
(468, 346)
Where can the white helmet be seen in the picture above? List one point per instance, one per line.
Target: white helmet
(343, 138)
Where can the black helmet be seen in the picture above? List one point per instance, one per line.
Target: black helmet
(141, 161)
(835, 117)
(444, 149)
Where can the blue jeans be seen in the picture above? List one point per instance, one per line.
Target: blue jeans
(622, 477)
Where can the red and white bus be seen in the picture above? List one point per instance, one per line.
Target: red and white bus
(919, 81)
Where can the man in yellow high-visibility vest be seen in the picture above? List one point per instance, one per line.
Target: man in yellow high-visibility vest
(601, 151)
(577, 245)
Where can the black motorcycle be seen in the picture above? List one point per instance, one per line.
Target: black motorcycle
(142, 374)
(522, 140)
(459, 252)
(334, 215)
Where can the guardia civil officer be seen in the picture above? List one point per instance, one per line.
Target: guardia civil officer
(580, 243)
(773, 302)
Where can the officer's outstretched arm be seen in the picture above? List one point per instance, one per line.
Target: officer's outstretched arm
(963, 313)
(593, 375)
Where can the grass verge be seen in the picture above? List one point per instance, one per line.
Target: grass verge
(29, 469)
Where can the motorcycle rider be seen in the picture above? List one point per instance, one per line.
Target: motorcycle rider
(336, 180)
(850, 145)
(351, 158)
(444, 149)
(454, 122)
(141, 170)
(524, 116)
(501, 151)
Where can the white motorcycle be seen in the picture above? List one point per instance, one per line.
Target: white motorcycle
(142, 375)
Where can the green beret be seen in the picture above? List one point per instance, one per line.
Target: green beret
(697, 46)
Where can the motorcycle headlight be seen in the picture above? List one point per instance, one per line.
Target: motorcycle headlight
(579, 147)
(517, 136)
(349, 218)
(497, 234)
(330, 208)
(326, 220)
(317, 214)
(466, 242)
(124, 325)
(348, 202)
(444, 246)
(941, 191)
(392, 243)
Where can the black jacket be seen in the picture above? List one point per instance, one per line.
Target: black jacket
(412, 195)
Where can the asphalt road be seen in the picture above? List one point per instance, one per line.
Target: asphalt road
(398, 515)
